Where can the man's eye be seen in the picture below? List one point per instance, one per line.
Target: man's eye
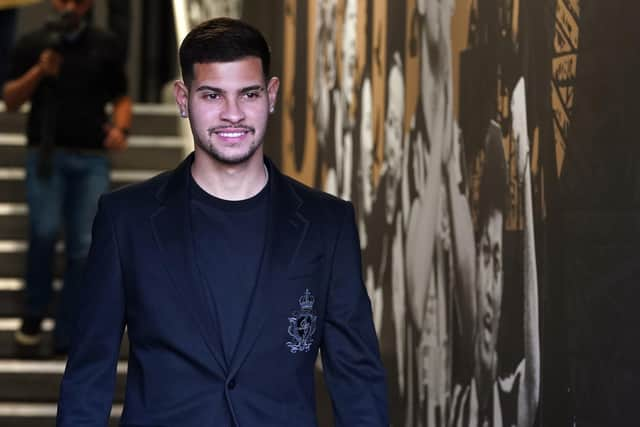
(254, 94)
(212, 96)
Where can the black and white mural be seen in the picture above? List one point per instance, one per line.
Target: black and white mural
(489, 147)
(417, 112)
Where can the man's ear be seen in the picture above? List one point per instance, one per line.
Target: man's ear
(182, 97)
(272, 91)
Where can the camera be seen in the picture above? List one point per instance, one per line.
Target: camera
(57, 26)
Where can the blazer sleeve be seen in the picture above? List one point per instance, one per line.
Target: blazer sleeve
(352, 366)
(86, 392)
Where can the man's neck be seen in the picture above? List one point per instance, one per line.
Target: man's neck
(230, 182)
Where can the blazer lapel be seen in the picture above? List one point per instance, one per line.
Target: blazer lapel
(172, 229)
(286, 229)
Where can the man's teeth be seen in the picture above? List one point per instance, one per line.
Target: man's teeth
(231, 134)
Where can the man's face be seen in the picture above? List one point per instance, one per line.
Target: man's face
(228, 105)
(489, 288)
(76, 8)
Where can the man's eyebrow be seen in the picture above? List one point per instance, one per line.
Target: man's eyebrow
(219, 90)
(210, 88)
(252, 88)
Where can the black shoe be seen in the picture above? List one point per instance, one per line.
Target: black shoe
(30, 334)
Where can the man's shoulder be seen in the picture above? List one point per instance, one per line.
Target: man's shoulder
(316, 200)
(139, 194)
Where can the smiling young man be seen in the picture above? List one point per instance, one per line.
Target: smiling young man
(228, 275)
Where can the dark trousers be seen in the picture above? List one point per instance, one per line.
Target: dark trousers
(68, 198)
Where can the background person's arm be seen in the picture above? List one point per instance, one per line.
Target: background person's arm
(117, 132)
(18, 91)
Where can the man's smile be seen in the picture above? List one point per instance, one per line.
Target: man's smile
(231, 133)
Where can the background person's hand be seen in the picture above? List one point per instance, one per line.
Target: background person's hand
(50, 62)
(115, 139)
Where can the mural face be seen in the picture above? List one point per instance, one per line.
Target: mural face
(489, 289)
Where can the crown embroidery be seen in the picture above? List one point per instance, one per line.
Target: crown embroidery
(302, 324)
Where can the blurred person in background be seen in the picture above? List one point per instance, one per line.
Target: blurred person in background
(69, 71)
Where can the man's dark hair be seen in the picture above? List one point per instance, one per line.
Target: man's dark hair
(222, 40)
(494, 187)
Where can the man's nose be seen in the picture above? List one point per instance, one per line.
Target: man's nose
(232, 111)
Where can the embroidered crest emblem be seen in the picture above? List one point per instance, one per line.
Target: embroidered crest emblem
(302, 324)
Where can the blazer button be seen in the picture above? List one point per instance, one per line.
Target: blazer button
(231, 385)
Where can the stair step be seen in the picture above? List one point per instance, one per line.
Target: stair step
(13, 259)
(11, 304)
(39, 380)
(11, 300)
(19, 414)
(10, 349)
(144, 152)
(14, 223)
(13, 189)
(148, 119)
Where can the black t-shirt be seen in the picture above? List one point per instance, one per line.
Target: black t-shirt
(92, 74)
(229, 243)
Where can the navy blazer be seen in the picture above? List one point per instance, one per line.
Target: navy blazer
(309, 296)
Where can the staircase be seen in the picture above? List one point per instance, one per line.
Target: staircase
(30, 378)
